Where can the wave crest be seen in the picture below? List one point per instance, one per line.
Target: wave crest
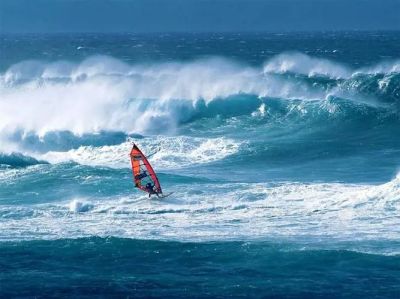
(105, 94)
(299, 63)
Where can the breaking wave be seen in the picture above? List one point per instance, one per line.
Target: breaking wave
(105, 94)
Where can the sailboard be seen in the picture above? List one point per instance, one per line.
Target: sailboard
(144, 176)
(166, 195)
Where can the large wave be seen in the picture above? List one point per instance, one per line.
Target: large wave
(103, 93)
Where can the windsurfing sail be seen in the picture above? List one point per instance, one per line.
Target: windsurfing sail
(143, 174)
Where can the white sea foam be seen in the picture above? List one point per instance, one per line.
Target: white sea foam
(169, 152)
(202, 212)
(79, 206)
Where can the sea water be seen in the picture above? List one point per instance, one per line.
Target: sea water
(282, 151)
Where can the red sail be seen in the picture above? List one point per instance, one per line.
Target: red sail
(143, 173)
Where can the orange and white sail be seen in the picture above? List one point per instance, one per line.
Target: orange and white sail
(143, 173)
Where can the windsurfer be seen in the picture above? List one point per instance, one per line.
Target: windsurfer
(150, 188)
(144, 176)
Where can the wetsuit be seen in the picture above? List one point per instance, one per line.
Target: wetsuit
(150, 189)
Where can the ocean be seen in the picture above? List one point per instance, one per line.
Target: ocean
(282, 151)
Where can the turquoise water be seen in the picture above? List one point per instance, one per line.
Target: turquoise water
(282, 151)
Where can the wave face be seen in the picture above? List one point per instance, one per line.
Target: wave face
(272, 155)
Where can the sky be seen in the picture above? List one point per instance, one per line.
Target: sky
(146, 16)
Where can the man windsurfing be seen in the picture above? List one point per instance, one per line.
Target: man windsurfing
(144, 175)
(150, 188)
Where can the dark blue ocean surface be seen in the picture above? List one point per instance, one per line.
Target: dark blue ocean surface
(282, 151)
(123, 267)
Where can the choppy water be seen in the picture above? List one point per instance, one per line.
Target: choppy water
(282, 152)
